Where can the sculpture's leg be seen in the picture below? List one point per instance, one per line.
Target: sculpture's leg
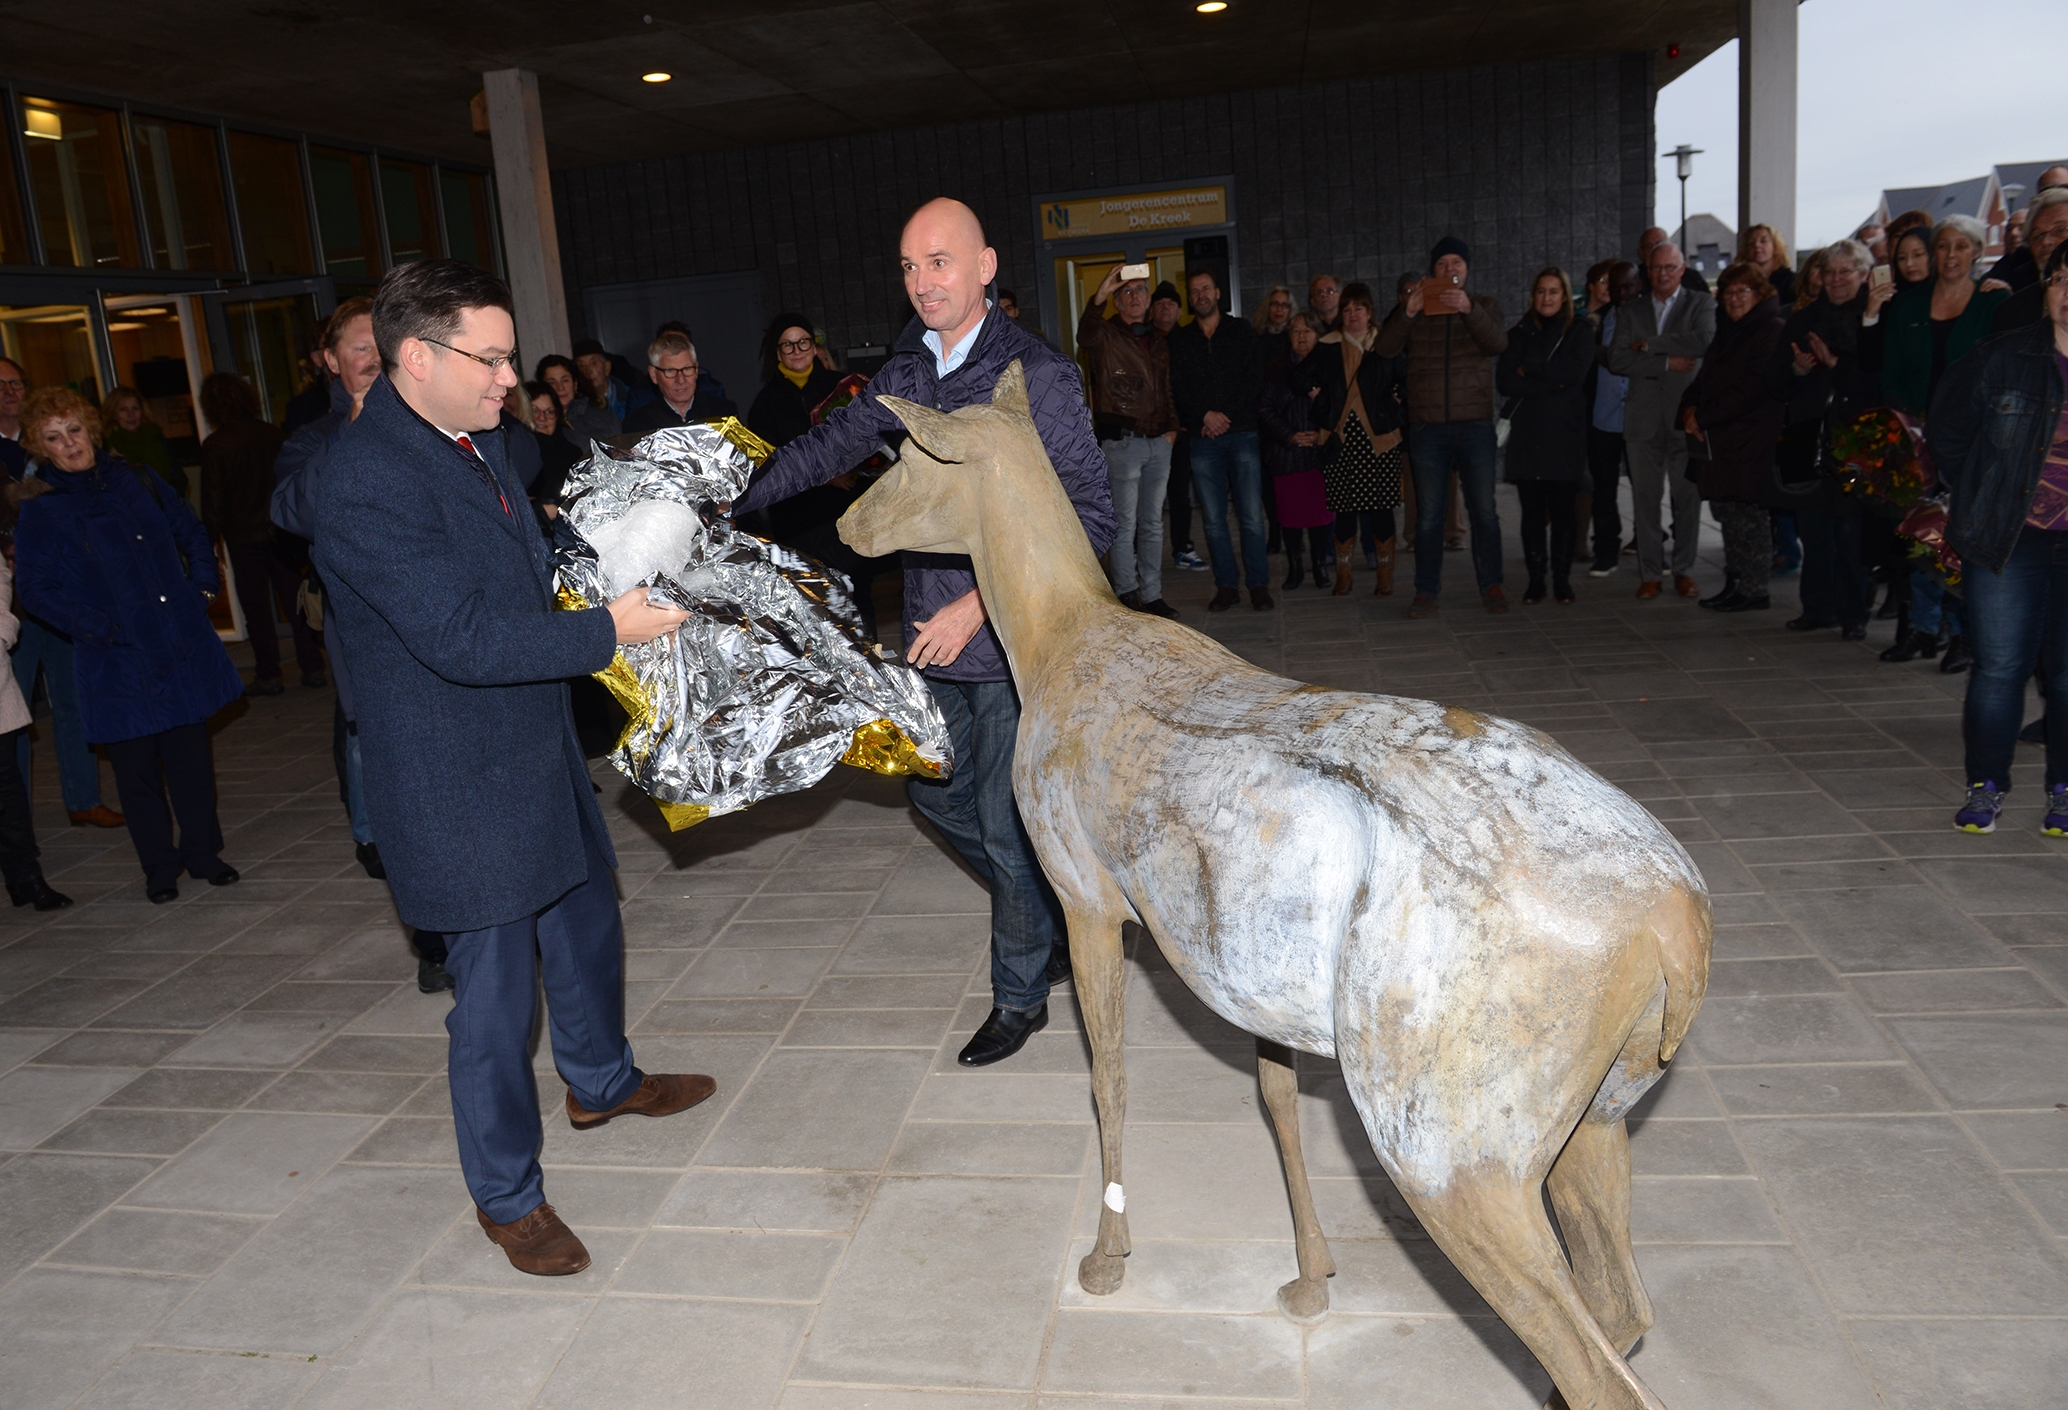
(1590, 1190)
(1100, 979)
(1495, 1229)
(1305, 1298)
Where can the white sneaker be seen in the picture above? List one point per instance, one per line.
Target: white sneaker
(1601, 572)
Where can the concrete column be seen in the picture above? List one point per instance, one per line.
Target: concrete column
(1766, 115)
(524, 198)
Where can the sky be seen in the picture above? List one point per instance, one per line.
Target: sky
(1870, 113)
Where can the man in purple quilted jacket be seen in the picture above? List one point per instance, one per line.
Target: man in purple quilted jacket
(950, 356)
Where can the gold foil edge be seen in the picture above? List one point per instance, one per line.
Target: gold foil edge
(748, 444)
(882, 748)
(681, 815)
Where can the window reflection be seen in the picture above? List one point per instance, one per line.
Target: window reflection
(270, 206)
(345, 213)
(182, 184)
(82, 190)
(467, 226)
(52, 344)
(412, 216)
(14, 232)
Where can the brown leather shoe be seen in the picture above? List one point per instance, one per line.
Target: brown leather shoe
(1494, 599)
(538, 1243)
(99, 815)
(1685, 586)
(661, 1094)
(1647, 590)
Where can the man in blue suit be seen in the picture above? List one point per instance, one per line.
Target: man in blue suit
(489, 827)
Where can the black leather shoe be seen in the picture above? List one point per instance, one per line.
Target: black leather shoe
(1853, 631)
(1908, 647)
(1723, 595)
(1224, 599)
(370, 857)
(1742, 603)
(226, 877)
(315, 680)
(1807, 623)
(432, 977)
(38, 894)
(1159, 608)
(1003, 1034)
(263, 686)
(1059, 965)
(1958, 657)
(159, 895)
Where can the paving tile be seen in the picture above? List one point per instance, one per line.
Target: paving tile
(1968, 1246)
(1992, 1060)
(308, 1281)
(114, 1131)
(774, 1200)
(464, 1259)
(1954, 991)
(21, 1044)
(709, 1263)
(1892, 928)
(44, 1199)
(341, 1093)
(100, 1047)
(1823, 1089)
(257, 1040)
(456, 1349)
(744, 974)
(61, 1328)
(253, 1163)
(975, 1148)
(1702, 1210)
(1151, 1354)
(1759, 978)
(2023, 1140)
(157, 1241)
(1354, 1363)
(820, 1109)
(971, 1314)
(1805, 1028)
(916, 945)
(871, 1028)
(37, 1101)
(152, 1380)
(199, 1089)
(770, 1016)
(731, 1353)
(1967, 1364)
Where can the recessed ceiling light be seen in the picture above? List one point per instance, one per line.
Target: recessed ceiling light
(655, 77)
(1211, 7)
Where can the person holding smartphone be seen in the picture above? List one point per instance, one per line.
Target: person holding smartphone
(1136, 425)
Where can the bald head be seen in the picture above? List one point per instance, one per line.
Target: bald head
(2050, 178)
(947, 266)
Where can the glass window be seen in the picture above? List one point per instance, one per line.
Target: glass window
(270, 206)
(182, 183)
(468, 228)
(53, 344)
(412, 216)
(82, 189)
(267, 339)
(14, 232)
(344, 211)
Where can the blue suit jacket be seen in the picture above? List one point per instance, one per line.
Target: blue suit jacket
(475, 781)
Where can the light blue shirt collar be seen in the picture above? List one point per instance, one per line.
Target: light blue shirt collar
(948, 361)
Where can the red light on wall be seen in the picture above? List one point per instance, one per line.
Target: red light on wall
(1672, 51)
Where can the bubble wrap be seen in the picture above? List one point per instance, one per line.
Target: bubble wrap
(771, 681)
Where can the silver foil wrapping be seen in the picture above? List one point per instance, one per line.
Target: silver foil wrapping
(770, 681)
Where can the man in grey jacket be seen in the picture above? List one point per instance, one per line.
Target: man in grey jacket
(1660, 337)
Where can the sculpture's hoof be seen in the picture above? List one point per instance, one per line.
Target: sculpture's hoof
(1100, 1274)
(1305, 1300)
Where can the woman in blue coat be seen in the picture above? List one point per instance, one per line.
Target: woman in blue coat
(111, 557)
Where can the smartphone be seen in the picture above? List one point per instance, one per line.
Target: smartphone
(1433, 289)
(1133, 271)
(1880, 276)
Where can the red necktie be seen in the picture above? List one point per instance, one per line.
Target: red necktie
(481, 469)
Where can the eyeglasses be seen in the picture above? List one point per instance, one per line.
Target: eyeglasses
(13, 384)
(797, 345)
(678, 374)
(493, 364)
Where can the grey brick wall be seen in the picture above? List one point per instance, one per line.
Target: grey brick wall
(1532, 164)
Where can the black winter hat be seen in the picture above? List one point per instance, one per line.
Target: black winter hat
(584, 346)
(1166, 290)
(1450, 245)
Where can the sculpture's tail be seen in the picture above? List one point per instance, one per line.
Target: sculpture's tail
(1681, 926)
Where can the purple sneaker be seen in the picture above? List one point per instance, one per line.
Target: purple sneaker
(1978, 814)
(2056, 824)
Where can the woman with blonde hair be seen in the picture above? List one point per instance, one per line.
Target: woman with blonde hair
(131, 433)
(1762, 247)
(109, 556)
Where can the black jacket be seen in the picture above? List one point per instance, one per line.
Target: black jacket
(1833, 394)
(1735, 407)
(1283, 412)
(1224, 373)
(1379, 381)
(1991, 425)
(2022, 309)
(782, 411)
(657, 414)
(1544, 368)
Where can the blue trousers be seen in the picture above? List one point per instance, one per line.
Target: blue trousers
(1138, 469)
(2017, 622)
(1930, 607)
(1435, 450)
(578, 943)
(78, 768)
(1225, 467)
(974, 810)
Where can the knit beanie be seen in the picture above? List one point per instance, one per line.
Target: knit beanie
(1450, 245)
(1166, 290)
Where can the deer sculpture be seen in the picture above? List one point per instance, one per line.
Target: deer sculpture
(1499, 947)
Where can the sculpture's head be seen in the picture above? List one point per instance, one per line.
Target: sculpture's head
(929, 501)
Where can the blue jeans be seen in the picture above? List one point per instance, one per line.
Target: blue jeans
(1435, 451)
(1138, 468)
(973, 809)
(78, 767)
(2017, 622)
(1224, 466)
(1930, 606)
(578, 944)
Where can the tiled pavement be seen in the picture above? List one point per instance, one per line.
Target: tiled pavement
(227, 1174)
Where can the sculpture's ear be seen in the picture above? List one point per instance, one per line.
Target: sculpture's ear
(1011, 391)
(937, 433)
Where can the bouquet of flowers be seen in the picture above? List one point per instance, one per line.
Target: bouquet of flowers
(1925, 527)
(1881, 456)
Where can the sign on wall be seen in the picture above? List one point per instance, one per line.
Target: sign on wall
(1135, 212)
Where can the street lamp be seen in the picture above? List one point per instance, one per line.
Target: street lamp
(1684, 164)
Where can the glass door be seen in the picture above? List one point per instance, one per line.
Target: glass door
(1078, 277)
(157, 353)
(267, 332)
(53, 344)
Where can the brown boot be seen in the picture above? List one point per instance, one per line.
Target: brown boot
(1344, 548)
(1384, 587)
(538, 1243)
(661, 1094)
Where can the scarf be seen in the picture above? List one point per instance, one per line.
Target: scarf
(1353, 397)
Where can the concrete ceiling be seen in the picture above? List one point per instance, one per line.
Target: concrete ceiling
(400, 75)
